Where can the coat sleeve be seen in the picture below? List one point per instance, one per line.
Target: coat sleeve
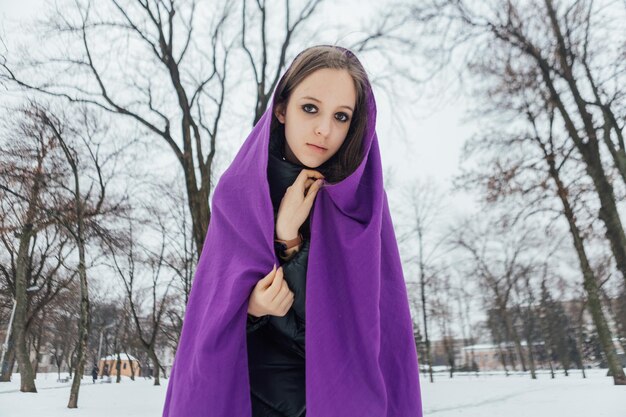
(254, 323)
(292, 324)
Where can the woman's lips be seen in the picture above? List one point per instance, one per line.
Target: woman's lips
(316, 148)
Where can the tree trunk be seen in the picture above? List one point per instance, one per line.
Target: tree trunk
(37, 344)
(579, 346)
(155, 365)
(27, 377)
(118, 369)
(9, 361)
(531, 359)
(83, 327)
(132, 366)
(198, 207)
(429, 359)
(502, 355)
(513, 333)
(589, 282)
(529, 327)
(544, 335)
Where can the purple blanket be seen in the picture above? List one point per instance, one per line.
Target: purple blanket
(361, 357)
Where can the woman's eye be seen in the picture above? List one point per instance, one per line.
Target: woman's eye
(342, 117)
(309, 108)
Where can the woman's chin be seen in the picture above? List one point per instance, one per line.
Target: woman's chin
(309, 163)
(312, 165)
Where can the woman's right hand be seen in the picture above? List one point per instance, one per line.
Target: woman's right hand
(271, 295)
(297, 203)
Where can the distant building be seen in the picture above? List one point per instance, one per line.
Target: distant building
(128, 363)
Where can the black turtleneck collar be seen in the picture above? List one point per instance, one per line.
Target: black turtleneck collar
(281, 173)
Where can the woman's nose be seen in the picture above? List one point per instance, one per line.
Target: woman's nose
(323, 128)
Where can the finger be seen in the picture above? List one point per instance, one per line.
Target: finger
(282, 294)
(284, 289)
(286, 304)
(286, 301)
(267, 280)
(304, 175)
(277, 283)
(313, 192)
(307, 185)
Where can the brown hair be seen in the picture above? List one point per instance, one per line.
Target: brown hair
(350, 154)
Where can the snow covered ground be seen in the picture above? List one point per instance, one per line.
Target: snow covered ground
(519, 396)
(467, 396)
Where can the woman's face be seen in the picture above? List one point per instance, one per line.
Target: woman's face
(317, 116)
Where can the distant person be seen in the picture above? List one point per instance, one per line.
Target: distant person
(94, 373)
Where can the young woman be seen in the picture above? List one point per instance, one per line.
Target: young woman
(316, 133)
(305, 191)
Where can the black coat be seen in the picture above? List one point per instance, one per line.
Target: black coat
(276, 344)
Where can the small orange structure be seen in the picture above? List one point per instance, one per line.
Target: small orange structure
(126, 362)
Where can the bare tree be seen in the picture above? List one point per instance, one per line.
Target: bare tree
(580, 334)
(423, 205)
(526, 311)
(180, 258)
(61, 325)
(74, 222)
(611, 297)
(30, 171)
(499, 259)
(26, 233)
(265, 83)
(462, 292)
(129, 259)
(47, 253)
(442, 311)
(524, 173)
(549, 46)
(530, 82)
(168, 38)
(556, 329)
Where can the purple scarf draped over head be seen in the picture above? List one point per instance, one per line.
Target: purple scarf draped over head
(361, 358)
